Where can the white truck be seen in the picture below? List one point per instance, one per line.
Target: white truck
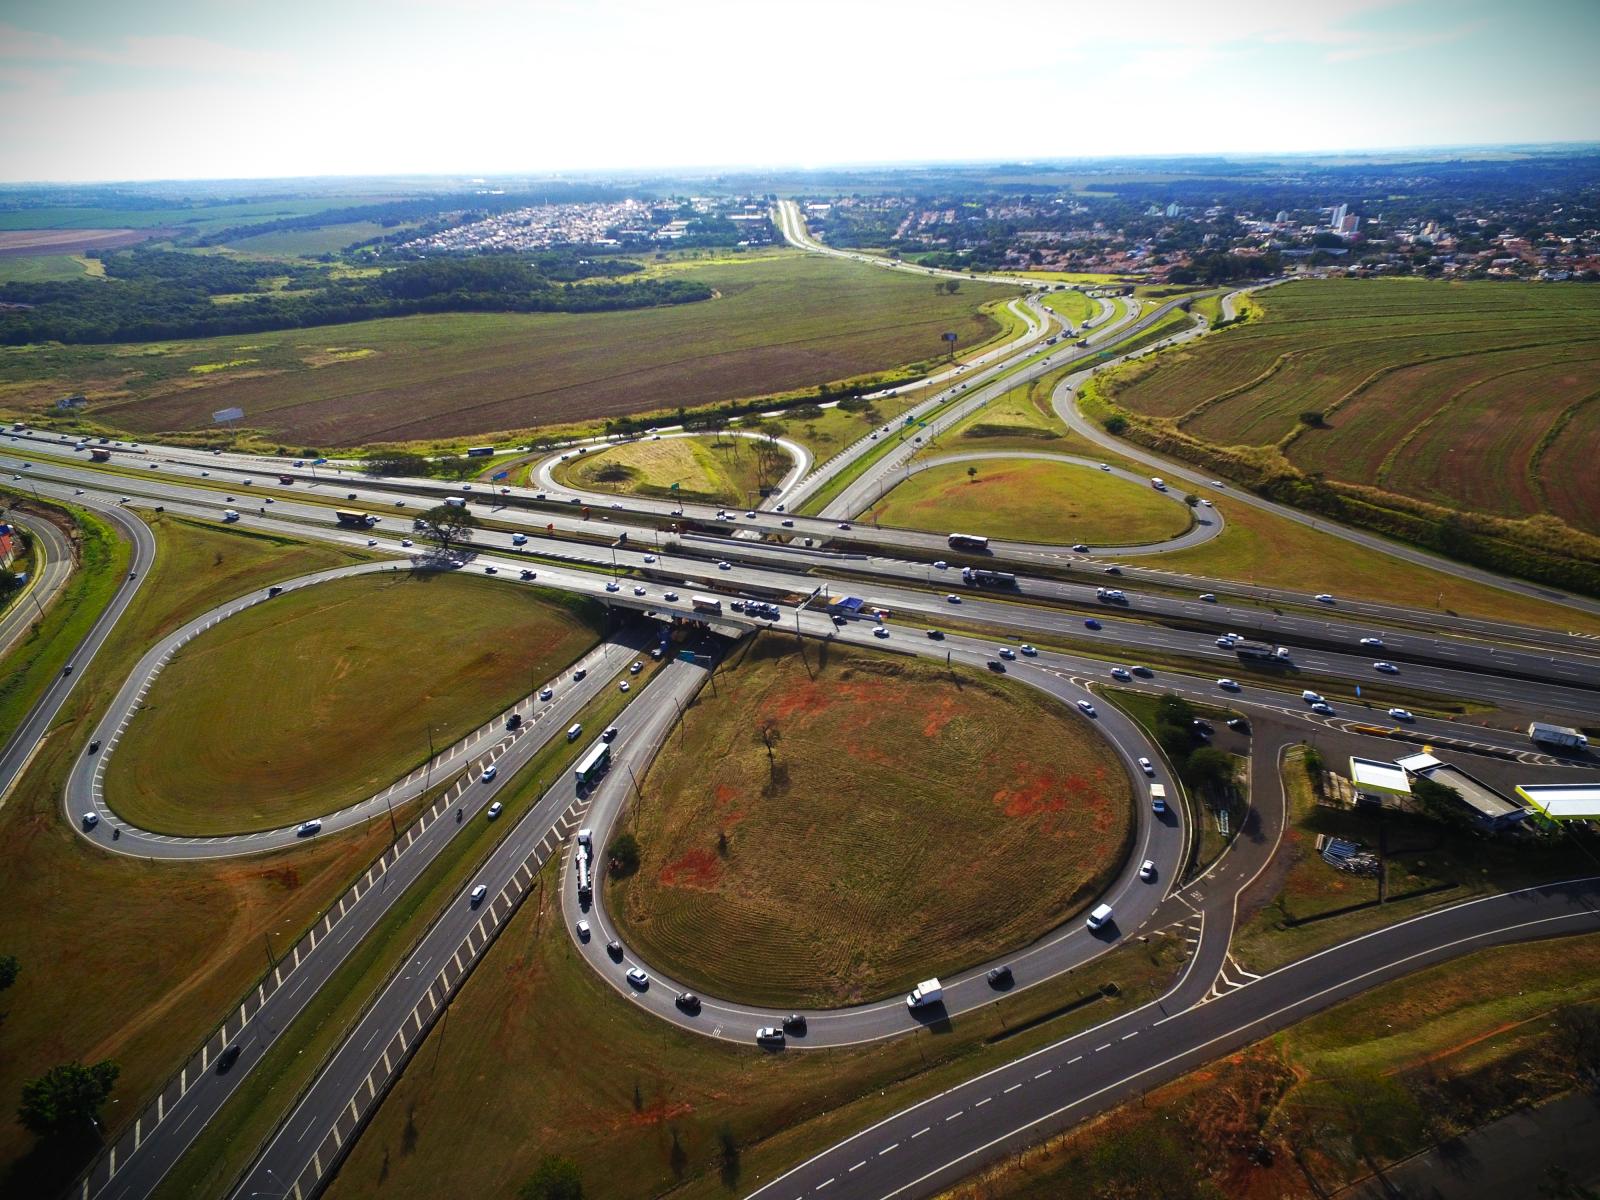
(230, 515)
(1158, 797)
(929, 991)
(519, 539)
(1561, 737)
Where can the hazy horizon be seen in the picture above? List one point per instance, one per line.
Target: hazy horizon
(182, 90)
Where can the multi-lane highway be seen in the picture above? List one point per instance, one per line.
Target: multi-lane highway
(616, 552)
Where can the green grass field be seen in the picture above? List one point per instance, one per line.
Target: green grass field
(1032, 501)
(777, 324)
(717, 470)
(43, 268)
(325, 696)
(1071, 306)
(308, 243)
(83, 922)
(1478, 396)
(870, 751)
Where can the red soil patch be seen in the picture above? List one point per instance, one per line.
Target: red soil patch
(1045, 792)
(696, 869)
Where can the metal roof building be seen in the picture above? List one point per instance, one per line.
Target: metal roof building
(1563, 801)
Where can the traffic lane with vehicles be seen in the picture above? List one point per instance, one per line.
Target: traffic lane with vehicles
(1161, 839)
(143, 1159)
(1355, 618)
(337, 1084)
(1567, 697)
(932, 1144)
(53, 567)
(29, 735)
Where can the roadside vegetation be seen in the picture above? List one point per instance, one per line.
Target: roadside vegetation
(715, 470)
(917, 792)
(36, 660)
(1408, 1066)
(132, 961)
(1031, 500)
(327, 695)
(1456, 416)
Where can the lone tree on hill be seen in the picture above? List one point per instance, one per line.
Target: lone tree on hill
(65, 1101)
(972, 473)
(447, 526)
(553, 1179)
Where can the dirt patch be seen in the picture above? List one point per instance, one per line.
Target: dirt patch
(19, 242)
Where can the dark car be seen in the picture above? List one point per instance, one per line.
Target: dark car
(227, 1058)
(1238, 725)
(936, 634)
(999, 977)
(1091, 623)
(794, 1023)
(688, 1002)
(995, 665)
(349, 495)
(94, 745)
(614, 948)
(514, 721)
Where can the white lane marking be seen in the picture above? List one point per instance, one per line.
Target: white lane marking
(922, 1131)
(1044, 1072)
(1070, 1061)
(1011, 1089)
(859, 1165)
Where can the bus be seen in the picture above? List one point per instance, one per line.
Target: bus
(593, 764)
(968, 541)
(480, 451)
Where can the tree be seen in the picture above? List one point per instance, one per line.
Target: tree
(66, 1100)
(972, 473)
(624, 855)
(453, 466)
(447, 526)
(952, 286)
(1192, 500)
(1313, 418)
(555, 1178)
(9, 970)
(1115, 425)
(1208, 767)
(398, 462)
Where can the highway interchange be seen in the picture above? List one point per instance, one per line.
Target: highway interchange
(1212, 1008)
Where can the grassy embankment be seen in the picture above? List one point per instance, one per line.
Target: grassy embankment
(646, 1109)
(128, 959)
(777, 325)
(715, 470)
(35, 661)
(916, 791)
(1404, 1067)
(326, 695)
(1032, 501)
(1428, 864)
(231, 1140)
(1455, 415)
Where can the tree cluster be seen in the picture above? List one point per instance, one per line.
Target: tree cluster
(149, 295)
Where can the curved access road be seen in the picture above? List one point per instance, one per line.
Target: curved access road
(1160, 839)
(30, 735)
(51, 549)
(1205, 523)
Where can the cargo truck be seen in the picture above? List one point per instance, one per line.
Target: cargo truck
(356, 520)
(707, 604)
(978, 577)
(1261, 651)
(1158, 798)
(1560, 737)
(229, 514)
(286, 480)
(99, 456)
(925, 993)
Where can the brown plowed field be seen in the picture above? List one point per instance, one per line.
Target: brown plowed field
(777, 323)
(1445, 392)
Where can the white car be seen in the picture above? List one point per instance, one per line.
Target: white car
(1228, 685)
(1148, 767)
(478, 893)
(91, 819)
(1088, 709)
(941, 565)
(1120, 673)
(613, 586)
(1322, 707)
(768, 1034)
(638, 978)
(1402, 714)
(636, 668)
(1105, 466)
(1224, 643)
(649, 558)
(1028, 650)
(374, 542)
(1006, 652)
(670, 597)
(1324, 598)
(638, 590)
(1147, 870)
(1208, 597)
(623, 686)
(495, 810)
(1388, 668)
(489, 773)
(407, 543)
(77, 491)
(724, 565)
(953, 598)
(583, 931)
(307, 828)
(1375, 642)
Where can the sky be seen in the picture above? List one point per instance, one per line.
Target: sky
(220, 89)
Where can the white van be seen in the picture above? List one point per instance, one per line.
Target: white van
(574, 733)
(1100, 916)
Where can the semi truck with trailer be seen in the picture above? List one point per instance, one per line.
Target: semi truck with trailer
(99, 456)
(978, 577)
(1261, 651)
(355, 520)
(1559, 737)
